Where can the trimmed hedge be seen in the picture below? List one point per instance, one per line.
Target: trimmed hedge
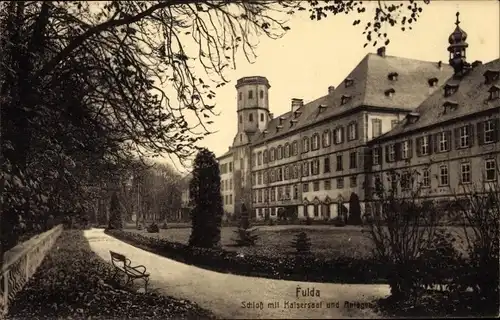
(298, 268)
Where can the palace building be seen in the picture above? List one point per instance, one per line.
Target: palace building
(388, 113)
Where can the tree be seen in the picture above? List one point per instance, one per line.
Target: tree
(115, 216)
(302, 243)
(204, 189)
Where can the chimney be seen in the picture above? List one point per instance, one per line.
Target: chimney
(296, 104)
(331, 89)
(271, 116)
(381, 52)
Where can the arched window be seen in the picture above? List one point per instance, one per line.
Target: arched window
(261, 117)
(261, 94)
(265, 155)
(295, 148)
(305, 144)
(272, 155)
(326, 138)
(250, 117)
(315, 142)
(280, 152)
(287, 150)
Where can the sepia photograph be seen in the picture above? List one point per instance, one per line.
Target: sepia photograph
(249, 159)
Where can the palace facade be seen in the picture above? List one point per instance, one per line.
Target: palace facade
(389, 112)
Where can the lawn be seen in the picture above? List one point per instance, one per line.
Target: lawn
(327, 241)
(275, 240)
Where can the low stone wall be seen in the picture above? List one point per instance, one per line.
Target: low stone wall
(21, 262)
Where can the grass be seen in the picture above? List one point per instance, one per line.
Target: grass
(327, 241)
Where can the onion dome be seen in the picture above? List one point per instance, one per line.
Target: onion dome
(458, 36)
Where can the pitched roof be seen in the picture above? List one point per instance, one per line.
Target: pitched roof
(225, 154)
(471, 96)
(370, 81)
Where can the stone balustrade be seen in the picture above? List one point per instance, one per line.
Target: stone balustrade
(21, 262)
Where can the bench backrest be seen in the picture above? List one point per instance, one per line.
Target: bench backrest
(116, 257)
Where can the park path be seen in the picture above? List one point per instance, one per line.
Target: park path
(225, 294)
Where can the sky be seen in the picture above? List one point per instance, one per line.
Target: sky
(316, 54)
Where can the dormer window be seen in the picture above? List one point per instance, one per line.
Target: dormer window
(390, 92)
(321, 107)
(297, 113)
(433, 82)
(449, 106)
(494, 92)
(491, 76)
(292, 122)
(264, 132)
(278, 128)
(344, 99)
(282, 119)
(450, 89)
(348, 82)
(393, 76)
(412, 117)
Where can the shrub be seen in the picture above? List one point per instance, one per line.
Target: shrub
(302, 243)
(153, 228)
(308, 220)
(164, 225)
(355, 210)
(204, 189)
(246, 236)
(339, 222)
(271, 222)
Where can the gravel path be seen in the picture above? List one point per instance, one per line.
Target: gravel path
(233, 296)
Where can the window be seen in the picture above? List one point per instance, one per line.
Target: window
(259, 177)
(271, 176)
(280, 193)
(253, 178)
(272, 154)
(494, 92)
(273, 194)
(280, 152)
(295, 191)
(315, 167)
(326, 139)
(287, 150)
(250, 117)
(261, 117)
(340, 183)
(305, 169)
(230, 167)
(266, 195)
(305, 187)
(340, 165)
(352, 131)
(394, 123)
(406, 149)
(254, 196)
(338, 135)
(426, 178)
(261, 94)
(326, 165)
(259, 158)
(259, 193)
(295, 148)
(250, 94)
(230, 199)
(353, 181)
(316, 186)
(392, 153)
(423, 145)
(279, 174)
(327, 184)
(315, 142)
(287, 173)
(287, 192)
(444, 144)
(406, 180)
(463, 137)
(376, 127)
(240, 96)
(376, 156)
(443, 175)
(348, 82)
(353, 159)
(465, 173)
(345, 99)
(490, 168)
(241, 118)
(305, 144)
(295, 174)
(265, 156)
(489, 131)
(393, 179)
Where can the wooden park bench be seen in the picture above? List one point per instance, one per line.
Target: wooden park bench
(121, 263)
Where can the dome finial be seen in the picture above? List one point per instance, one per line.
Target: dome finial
(458, 21)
